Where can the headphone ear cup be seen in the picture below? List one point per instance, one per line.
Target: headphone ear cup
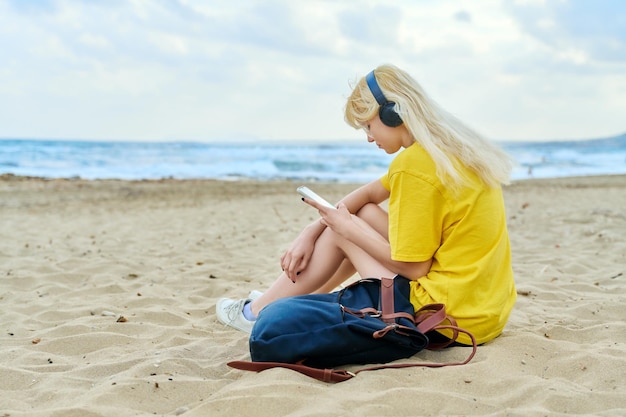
(388, 115)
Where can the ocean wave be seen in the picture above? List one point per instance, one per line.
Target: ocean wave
(336, 162)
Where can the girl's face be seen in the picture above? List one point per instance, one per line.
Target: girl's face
(389, 139)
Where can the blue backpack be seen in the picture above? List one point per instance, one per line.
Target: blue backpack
(369, 322)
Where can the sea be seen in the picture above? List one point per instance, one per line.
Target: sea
(339, 161)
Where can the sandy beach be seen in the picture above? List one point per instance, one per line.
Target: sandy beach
(108, 292)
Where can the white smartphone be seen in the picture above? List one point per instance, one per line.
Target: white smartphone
(305, 191)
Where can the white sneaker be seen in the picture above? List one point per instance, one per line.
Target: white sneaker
(230, 312)
(254, 294)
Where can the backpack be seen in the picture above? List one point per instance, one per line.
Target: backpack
(369, 322)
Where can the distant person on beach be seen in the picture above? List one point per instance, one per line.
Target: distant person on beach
(445, 227)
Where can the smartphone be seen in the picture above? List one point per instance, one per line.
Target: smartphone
(305, 191)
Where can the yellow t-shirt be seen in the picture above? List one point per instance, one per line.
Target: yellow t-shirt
(464, 233)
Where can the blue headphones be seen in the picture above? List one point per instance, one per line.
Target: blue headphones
(386, 112)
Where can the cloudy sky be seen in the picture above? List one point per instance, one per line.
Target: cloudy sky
(282, 69)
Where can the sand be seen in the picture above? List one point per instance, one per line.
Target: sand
(108, 292)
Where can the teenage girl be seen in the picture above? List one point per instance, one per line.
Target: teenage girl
(445, 228)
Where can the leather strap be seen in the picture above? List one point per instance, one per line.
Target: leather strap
(369, 311)
(324, 375)
(429, 316)
(387, 300)
(399, 315)
(387, 311)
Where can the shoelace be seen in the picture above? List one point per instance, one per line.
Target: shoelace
(234, 309)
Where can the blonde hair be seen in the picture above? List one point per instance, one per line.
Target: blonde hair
(445, 138)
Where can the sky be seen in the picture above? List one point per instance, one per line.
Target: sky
(215, 70)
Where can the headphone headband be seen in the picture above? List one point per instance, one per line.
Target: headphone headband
(375, 89)
(386, 112)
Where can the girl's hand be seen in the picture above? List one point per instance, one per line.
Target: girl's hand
(339, 219)
(297, 256)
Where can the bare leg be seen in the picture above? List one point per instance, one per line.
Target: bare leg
(375, 217)
(345, 271)
(325, 261)
(334, 260)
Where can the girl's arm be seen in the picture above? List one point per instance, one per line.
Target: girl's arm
(378, 247)
(363, 235)
(297, 257)
(373, 192)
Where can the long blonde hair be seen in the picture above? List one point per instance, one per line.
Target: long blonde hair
(445, 138)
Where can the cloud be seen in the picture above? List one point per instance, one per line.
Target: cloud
(463, 16)
(373, 25)
(191, 69)
(32, 7)
(584, 31)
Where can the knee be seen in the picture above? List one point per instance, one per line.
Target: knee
(376, 217)
(368, 211)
